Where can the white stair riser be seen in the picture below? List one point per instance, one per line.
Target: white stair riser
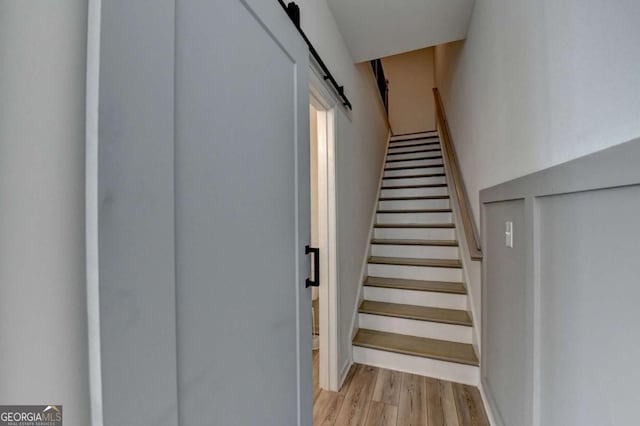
(415, 252)
(415, 163)
(428, 273)
(396, 156)
(450, 371)
(415, 233)
(414, 192)
(414, 139)
(413, 218)
(412, 297)
(438, 203)
(411, 327)
(414, 171)
(415, 181)
(415, 135)
(413, 146)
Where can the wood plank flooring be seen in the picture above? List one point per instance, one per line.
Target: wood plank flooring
(374, 396)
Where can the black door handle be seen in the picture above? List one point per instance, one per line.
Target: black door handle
(316, 266)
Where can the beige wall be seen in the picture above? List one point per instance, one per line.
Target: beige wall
(411, 80)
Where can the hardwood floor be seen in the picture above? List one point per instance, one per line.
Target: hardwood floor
(373, 396)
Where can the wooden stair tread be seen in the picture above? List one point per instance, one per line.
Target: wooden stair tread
(428, 175)
(414, 312)
(416, 211)
(416, 285)
(421, 197)
(435, 157)
(461, 353)
(416, 197)
(421, 138)
(413, 145)
(429, 166)
(421, 132)
(414, 225)
(428, 185)
(411, 242)
(410, 261)
(415, 134)
(417, 151)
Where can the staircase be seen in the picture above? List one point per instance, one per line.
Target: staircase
(414, 315)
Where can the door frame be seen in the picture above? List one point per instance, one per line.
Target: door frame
(327, 106)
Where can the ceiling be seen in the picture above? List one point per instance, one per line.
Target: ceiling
(377, 28)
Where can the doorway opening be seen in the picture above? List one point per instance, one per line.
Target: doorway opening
(322, 116)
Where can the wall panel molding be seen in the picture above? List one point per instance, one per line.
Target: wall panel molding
(555, 300)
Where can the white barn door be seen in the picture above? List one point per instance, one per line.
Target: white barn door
(200, 165)
(242, 214)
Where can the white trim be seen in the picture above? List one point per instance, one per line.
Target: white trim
(91, 210)
(329, 97)
(345, 371)
(534, 211)
(365, 260)
(487, 406)
(471, 269)
(326, 105)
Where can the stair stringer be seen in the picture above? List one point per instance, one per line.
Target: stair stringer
(445, 370)
(471, 269)
(365, 261)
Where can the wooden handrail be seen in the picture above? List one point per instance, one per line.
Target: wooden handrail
(449, 156)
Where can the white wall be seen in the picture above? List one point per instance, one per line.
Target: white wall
(538, 83)
(411, 80)
(361, 138)
(43, 319)
(373, 29)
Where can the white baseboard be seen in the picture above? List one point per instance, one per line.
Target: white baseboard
(488, 406)
(344, 371)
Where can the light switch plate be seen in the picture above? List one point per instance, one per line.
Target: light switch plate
(508, 234)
